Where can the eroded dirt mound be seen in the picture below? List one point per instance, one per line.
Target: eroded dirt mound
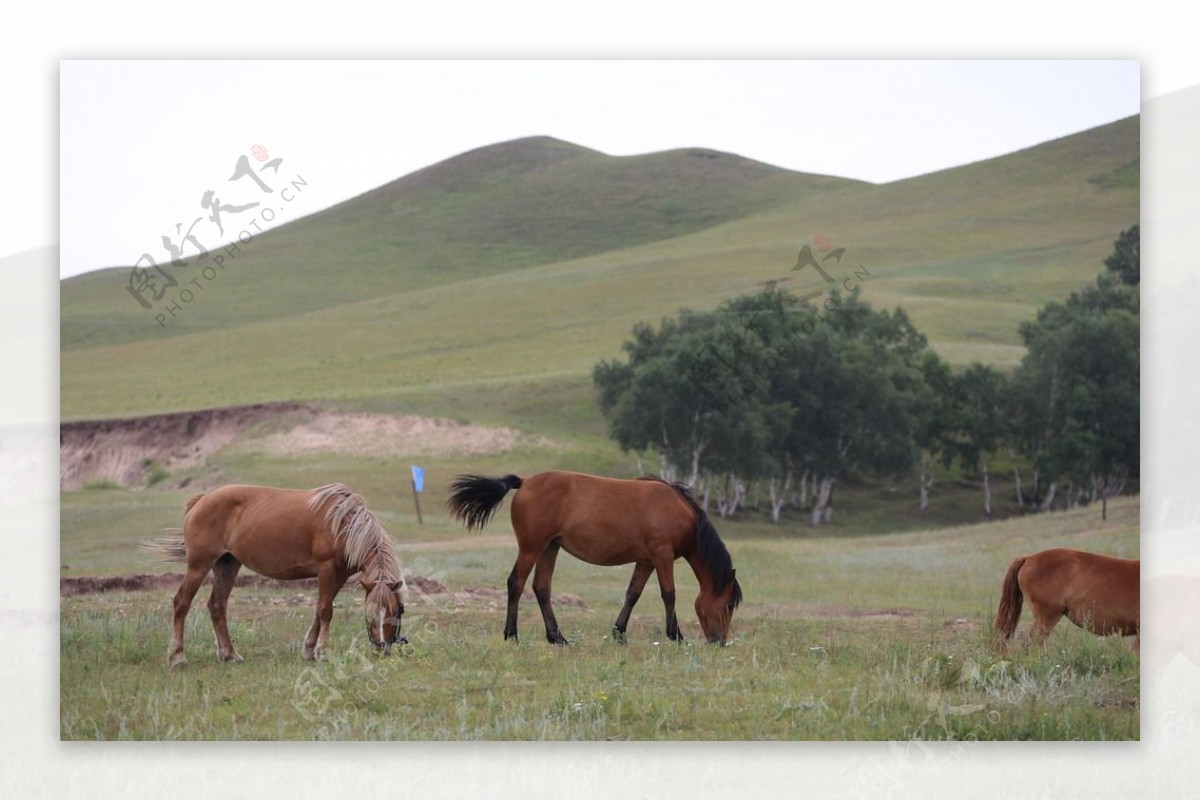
(140, 451)
(126, 451)
(384, 435)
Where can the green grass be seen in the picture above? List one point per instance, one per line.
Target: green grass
(839, 638)
(413, 291)
(485, 289)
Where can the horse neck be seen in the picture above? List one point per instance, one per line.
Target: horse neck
(704, 576)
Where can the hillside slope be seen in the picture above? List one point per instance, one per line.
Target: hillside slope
(534, 289)
(497, 208)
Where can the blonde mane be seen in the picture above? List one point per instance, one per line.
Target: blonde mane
(364, 541)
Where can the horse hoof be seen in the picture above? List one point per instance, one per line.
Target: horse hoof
(557, 639)
(619, 637)
(176, 661)
(234, 658)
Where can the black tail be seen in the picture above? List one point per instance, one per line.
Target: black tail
(476, 498)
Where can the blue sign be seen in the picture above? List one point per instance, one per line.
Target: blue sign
(418, 475)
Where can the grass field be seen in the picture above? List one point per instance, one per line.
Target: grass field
(484, 289)
(882, 637)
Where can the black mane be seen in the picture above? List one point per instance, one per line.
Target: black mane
(713, 552)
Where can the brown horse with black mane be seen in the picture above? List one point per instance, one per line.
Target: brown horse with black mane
(606, 521)
(1101, 594)
(326, 532)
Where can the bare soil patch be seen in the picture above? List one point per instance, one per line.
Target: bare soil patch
(139, 451)
(125, 451)
(385, 435)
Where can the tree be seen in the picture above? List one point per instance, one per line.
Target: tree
(1079, 383)
(1125, 261)
(935, 423)
(975, 423)
(768, 387)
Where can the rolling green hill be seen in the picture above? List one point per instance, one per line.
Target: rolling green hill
(487, 286)
(495, 209)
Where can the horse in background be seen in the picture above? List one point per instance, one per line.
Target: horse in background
(606, 521)
(327, 533)
(1098, 593)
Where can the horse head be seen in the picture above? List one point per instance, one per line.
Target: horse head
(715, 608)
(383, 608)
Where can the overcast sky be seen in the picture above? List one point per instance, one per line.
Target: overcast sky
(142, 142)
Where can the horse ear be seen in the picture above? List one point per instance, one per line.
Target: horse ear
(367, 584)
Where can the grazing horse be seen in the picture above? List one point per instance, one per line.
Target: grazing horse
(1098, 593)
(606, 521)
(326, 532)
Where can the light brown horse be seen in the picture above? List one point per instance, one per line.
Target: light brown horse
(1101, 594)
(606, 521)
(327, 533)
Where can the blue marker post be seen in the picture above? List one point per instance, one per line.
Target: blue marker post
(418, 485)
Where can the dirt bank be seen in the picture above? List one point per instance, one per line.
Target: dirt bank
(126, 452)
(155, 449)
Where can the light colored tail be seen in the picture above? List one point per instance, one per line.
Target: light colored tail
(167, 548)
(1011, 600)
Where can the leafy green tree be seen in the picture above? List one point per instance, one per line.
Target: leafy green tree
(975, 423)
(934, 430)
(1080, 381)
(1125, 261)
(767, 387)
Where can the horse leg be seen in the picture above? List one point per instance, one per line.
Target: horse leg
(329, 581)
(516, 586)
(310, 639)
(665, 567)
(224, 573)
(641, 573)
(543, 574)
(183, 602)
(1044, 620)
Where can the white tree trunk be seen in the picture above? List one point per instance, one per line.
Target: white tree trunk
(987, 490)
(820, 499)
(695, 476)
(1049, 496)
(926, 481)
(778, 493)
(727, 496)
(666, 469)
(1017, 478)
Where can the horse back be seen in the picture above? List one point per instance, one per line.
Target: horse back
(1104, 589)
(602, 520)
(264, 527)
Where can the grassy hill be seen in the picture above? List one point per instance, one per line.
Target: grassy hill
(488, 285)
(495, 209)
